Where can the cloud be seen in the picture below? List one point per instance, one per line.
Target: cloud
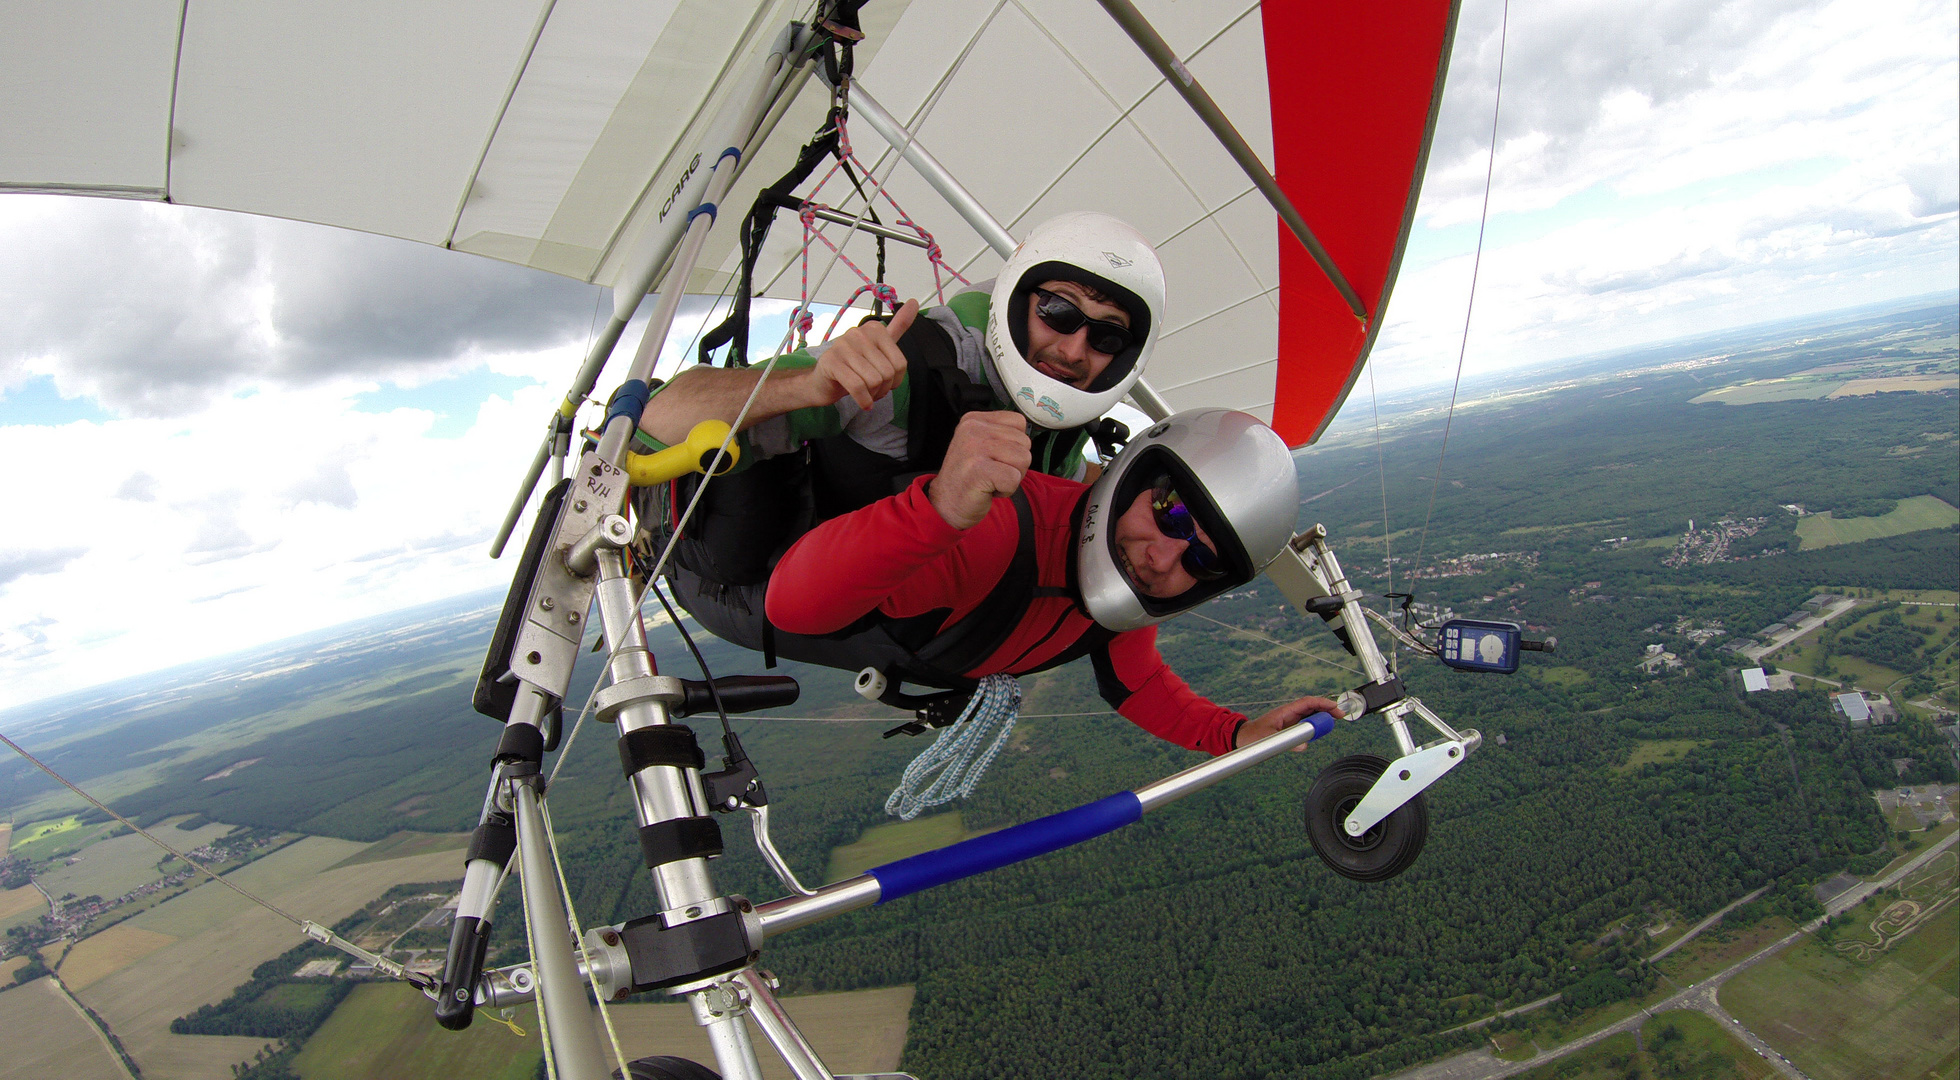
(218, 535)
(329, 484)
(157, 310)
(138, 487)
(15, 565)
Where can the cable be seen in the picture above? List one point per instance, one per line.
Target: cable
(1470, 305)
(306, 926)
(152, 838)
(1281, 644)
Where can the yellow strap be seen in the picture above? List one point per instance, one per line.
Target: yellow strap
(692, 455)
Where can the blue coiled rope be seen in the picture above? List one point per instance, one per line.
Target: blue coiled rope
(961, 753)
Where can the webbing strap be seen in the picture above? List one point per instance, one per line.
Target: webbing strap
(988, 626)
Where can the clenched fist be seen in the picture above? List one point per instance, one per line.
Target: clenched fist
(989, 454)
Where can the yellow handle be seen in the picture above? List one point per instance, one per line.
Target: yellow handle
(690, 456)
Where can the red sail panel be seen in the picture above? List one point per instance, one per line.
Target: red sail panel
(1355, 88)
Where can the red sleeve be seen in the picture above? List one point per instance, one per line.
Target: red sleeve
(897, 555)
(1163, 704)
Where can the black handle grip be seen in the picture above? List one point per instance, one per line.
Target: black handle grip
(739, 694)
(456, 1000)
(1550, 644)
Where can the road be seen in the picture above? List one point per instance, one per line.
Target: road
(1756, 654)
(1481, 1064)
(1705, 924)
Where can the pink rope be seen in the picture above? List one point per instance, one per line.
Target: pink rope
(807, 214)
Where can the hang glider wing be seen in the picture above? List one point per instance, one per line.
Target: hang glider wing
(549, 132)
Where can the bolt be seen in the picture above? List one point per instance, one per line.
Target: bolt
(534, 657)
(694, 913)
(547, 603)
(619, 994)
(743, 904)
(598, 470)
(1453, 751)
(571, 617)
(609, 938)
(579, 506)
(1404, 774)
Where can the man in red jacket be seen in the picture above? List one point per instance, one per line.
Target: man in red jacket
(1027, 571)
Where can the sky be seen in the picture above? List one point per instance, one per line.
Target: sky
(221, 430)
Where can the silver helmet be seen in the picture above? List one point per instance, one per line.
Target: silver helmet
(1234, 474)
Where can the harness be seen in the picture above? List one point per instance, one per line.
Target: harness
(916, 650)
(749, 518)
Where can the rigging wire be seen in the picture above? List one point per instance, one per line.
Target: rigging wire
(153, 838)
(308, 927)
(1470, 304)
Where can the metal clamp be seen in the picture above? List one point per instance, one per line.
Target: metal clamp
(610, 700)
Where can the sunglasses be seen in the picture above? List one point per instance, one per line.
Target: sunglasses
(1063, 317)
(1175, 521)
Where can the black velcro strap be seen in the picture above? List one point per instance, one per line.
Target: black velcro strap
(521, 742)
(669, 744)
(495, 840)
(682, 838)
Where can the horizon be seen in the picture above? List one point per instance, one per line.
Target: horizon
(1410, 400)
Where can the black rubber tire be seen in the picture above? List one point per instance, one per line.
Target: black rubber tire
(1378, 854)
(667, 1068)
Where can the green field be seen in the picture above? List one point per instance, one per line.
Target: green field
(386, 1029)
(1678, 1043)
(61, 836)
(1839, 1018)
(111, 867)
(403, 844)
(1756, 393)
(881, 844)
(1658, 752)
(1560, 676)
(1911, 515)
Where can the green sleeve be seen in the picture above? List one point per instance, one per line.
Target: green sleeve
(804, 424)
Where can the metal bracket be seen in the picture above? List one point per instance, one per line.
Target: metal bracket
(1404, 779)
(554, 615)
(611, 699)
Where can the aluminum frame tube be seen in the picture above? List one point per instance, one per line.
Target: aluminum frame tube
(561, 992)
(660, 792)
(930, 170)
(727, 1035)
(781, 1031)
(790, 913)
(1180, 78)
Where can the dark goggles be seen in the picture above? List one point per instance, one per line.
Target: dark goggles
(1063, 317)
(1175, 521)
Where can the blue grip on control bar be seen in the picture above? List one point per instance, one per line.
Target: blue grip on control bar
(995, 850)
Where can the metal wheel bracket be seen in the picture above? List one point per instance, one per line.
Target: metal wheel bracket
(1406, 778)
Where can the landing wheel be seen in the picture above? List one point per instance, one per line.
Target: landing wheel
(1378, 854)
(667, 1068)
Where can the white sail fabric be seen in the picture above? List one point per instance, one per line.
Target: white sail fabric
(547, 133)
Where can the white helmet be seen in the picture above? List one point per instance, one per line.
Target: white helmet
(1236, 476)
(1095, 250)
